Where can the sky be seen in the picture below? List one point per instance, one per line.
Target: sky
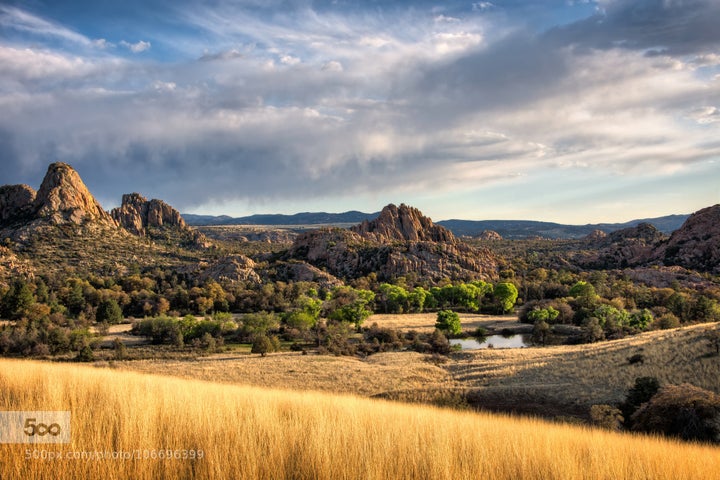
(574, 111)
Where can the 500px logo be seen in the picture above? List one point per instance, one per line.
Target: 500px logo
(40, 429)
(35, 427)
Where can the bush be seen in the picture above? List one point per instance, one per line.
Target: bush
(606, 416)
(449, 322)
(85, 354)
(684, 411)
(641, 392)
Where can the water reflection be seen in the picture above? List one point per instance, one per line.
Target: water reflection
(493, 341)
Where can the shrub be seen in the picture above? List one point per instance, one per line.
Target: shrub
(684, 411)
(85, 354)
(641, 392)
(606, 416)
(637, 358)
(449, 322)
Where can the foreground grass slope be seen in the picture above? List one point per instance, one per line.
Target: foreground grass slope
(248, 432)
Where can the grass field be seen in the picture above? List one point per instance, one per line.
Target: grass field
(425, 322)
(249, 432)
(374, 375)
(548, 381)
(582, 375)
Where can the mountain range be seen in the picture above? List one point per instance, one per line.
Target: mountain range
(509, 229)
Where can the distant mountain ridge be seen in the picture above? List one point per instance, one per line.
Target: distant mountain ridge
(304, 218)
(509, 229)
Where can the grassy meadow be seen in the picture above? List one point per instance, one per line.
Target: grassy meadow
(251, 432)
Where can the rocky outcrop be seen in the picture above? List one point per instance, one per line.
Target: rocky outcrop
(64, 198)
(16, 201)
(695, 245)
(401, 241)
(489, 235)
(136, 214)
(624, 248)
(232, 268)
(403, 223)
(596, 236)
(304, 272)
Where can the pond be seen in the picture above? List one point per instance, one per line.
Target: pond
(493, 341)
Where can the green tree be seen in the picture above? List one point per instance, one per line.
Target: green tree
(448, 322)
(17, 300)
(640, 319)
(262, 345)
(506, 295)
(109, 311)
(256, 324)
(393, 298)
(354, 307)
(547, 314)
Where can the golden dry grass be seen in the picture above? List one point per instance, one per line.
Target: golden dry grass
(248, 432)
(425, 322)
(594, 373)
(374, 375)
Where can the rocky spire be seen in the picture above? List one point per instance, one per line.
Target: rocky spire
(64, 198)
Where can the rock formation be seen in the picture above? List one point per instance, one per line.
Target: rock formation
(232, 268)
(489, 235)
(64, 198)
(596, 236)
(136, 214)
(15, 201)
(399, 242)
(695, 245)
(624, 248)
(403, 223)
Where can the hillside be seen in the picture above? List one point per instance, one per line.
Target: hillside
(222, 431)
(61, 228)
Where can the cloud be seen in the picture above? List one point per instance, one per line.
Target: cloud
(362, 104)
(137, 47)
(23, 21)
(657, 26)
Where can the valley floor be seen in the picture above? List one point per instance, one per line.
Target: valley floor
(548, 381)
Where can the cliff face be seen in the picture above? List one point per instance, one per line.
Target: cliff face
(399, 242)
(695, 245)
(136, 214)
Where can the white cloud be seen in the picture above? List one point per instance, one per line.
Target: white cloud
(289, 60)
(137, 47)
(21, 20)
(102, 44)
